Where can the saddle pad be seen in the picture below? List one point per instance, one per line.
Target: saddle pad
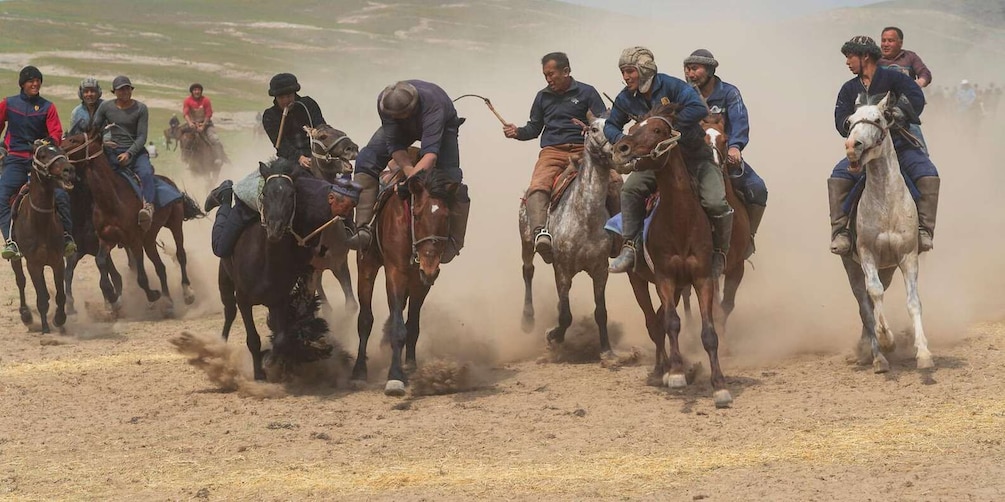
(164, 193)
(562, 183)
(249, 188)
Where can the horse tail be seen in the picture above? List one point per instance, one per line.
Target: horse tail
(191, 208)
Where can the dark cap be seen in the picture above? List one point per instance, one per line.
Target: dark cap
(282, 84)
(120, 82)
(28, 73)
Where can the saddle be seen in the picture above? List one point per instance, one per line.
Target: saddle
(564, 180)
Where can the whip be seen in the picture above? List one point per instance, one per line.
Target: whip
(487, 103)
(282, 123)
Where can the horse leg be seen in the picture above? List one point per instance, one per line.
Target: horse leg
(416, 297)
(254, 341)
(563, 283)
(874, 286)
(314, 284)
(364, 322)
(136, 255)
(37, 274)
(909, 269)
(70, 268)
(867, 344)
(687, 304)
(397, 291)
(150, 246)
(229, 299)
(59, 318)
(599, 277)
(668, 293)
(710, 341)
(654, 325)
(731, 283)
(179, 244)
(104, 262)
(345, 280)
(527, 253)
(22, 281)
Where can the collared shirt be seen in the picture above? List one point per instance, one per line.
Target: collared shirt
(434, 113)
(727, 98)
(908, 63)
(883, 81)
(665, 90)
(552, 113)
(28, 119)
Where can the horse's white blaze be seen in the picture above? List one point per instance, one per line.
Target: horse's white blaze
(643, 123)
(713, 136)
(435, 208)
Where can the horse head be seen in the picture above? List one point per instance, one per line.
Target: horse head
(50, 163)
(82, 147)
(650, 138)
(431, 193)
(331, 149)
(868, 128)
(596, 142)
(714, 125)
(278, 202)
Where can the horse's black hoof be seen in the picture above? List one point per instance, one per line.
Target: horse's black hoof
(555, 335)
(59, 319)
(26, 317)
(153, 295)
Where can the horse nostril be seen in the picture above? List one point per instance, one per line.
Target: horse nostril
(858, 144)
(623, 148)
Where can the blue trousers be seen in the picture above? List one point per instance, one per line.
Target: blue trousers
(914, 165)
(750, 184)
(15, 175)
(373, 157)
(140, 164)
(229, 223)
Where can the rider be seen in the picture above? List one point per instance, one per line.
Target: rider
(290, 111)
(28, 117)
(699, 68)
(646, 90)
(89, 93)
(127, 120)
(198, 112)
(907, 62)
(862, 55)
(554, 110)
(412, 110)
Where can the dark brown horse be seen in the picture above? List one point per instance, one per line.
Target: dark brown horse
(269, 258)
(39, 233)
(411, 233)
(679, 248)
(116, 205)
(197, 152)
(81, 210)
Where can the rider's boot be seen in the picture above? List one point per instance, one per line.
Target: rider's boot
(220, 195)
(754, 213)
(145, 216)
(537, 217)
(69, 246)
(458, 229)
(837, 191)
(66, 219)
(722, 232)
(364, 211)
(11, 251)
(928, 206)
(626, 260)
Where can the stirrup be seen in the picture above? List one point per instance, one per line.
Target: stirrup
(542, 245)
(841, 244)
(625, 260)
(11, 251)
(69, 246)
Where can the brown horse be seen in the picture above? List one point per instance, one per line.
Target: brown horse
(197, 152)
(411, 234)
(679, 247)
(269, 258)
(172, 136)
(114, 215)
(40, 233)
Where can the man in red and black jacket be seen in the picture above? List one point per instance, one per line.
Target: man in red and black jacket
(29, 117)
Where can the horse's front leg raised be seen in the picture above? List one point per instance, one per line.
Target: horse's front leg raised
(179, 245)
(710, 341)
(150, 246)
(874, 286)
(397, 295)
(104, 262)
(909, 269)
(37, 274)
(563, 283)
(364, 322)
(136, 254)
(417, 293)
(527, 253)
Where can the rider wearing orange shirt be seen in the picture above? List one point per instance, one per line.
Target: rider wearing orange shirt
(198, 112)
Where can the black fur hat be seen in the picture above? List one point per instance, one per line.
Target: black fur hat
(283, 83)
(28, 73)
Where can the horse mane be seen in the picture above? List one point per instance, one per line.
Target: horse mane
(280, 166)
(667, 111)
(864, 99)
(435, 182)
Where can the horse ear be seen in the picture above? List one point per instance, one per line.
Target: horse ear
(415, 186)
(263, 169)
(590, 117)
(883, 103)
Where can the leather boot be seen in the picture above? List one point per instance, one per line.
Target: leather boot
(626, 260)
(928, 206)
(222, 194)
(837, 191)
(537, 217)
(722, 231)
(754, 214)
(364, 211)
(145, 217)
(69, 246)
(458, 228)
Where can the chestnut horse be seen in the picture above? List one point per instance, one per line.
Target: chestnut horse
(198, 153)
(116, 205)
(410, 234)
(40, 233)
(270, 258)
(678, 248)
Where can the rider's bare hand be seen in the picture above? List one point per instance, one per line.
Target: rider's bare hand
(734, 156)
(123, 157)
(510, 131)
(305, 161)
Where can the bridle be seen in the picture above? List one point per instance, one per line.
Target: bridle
(42, 168)
(666, 145)
(86, 147)
(876, 123)
(321, 153)
(428, 238)
(261, 201)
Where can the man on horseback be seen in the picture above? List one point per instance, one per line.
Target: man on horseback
(699, 68)
(554, 111)
(907, 62)
(28, 117)
(127, 120)
(89, 93)
(412, 110)
(862, 55)
(198, 112)
(645, 90)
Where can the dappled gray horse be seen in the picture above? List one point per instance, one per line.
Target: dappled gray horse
(580, 243)
(886, 234)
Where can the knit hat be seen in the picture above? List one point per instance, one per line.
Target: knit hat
(643, 61)
(120, 82)
(702, 57)
(347, 188)
(398, 98)
(88, 83)
(861, 44)
(194, 86)
(28, 73)
(282, 84)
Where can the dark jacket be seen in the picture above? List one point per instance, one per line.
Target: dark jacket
(28, 119)
(303, 112)
(434, 114)
(727, 98)
(883, 81)
(553, 113)
(665, 89)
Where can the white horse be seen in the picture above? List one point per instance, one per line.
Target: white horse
(886, 232)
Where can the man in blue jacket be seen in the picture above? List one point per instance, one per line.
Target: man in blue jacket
(724, 98)
(646, 90)
(861, 55)
(552, 117)
(410, 111)
(28, 117)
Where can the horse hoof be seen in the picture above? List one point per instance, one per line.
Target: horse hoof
(395, 388)
(153, 296)
(26, 317)
(675, 381)
(189, 298)
(59, 319)
(555, 336)
(925, 362)
(527, 323)
(69, 308)
(880, 364)
(722, 398)
(356, 384)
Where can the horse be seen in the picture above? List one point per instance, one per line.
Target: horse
(81, 211)
(114, 216)
(270, 258)
(580, 243)
(678, 248)
(885, 233)
(198, 153)
(171, 135)
(40, 233)
(331, 152)
(411, 234)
